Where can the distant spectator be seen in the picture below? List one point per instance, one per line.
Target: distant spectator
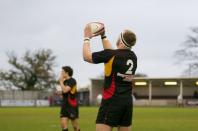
(99, 99)
(50, 99)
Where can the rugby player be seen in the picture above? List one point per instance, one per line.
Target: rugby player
(120, 65)
(69, 106)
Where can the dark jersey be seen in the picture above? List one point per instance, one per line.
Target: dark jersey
(120, 66)
(70, 98)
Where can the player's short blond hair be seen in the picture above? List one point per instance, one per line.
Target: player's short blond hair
(128, 38)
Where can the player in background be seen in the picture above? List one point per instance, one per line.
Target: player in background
(69, 106)
(120, 66)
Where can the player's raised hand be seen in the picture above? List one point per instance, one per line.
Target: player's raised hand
(87, 32)
(61, 78)
(93, 29)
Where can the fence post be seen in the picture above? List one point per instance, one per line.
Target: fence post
(150, 92)
(0, 97)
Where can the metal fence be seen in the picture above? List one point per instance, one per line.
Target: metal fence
(24, 95)
(37, 98)
(25, 98)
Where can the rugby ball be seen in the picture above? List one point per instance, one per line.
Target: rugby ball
(97, 28)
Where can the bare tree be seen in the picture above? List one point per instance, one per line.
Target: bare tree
(188, 53)
(33, 71)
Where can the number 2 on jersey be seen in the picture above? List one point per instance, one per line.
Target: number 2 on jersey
(130, 64)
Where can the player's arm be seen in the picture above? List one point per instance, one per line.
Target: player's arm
(90, 57)
(105, 42)
(87, 54)
(64, 88)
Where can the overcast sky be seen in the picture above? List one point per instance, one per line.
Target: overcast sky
(160, 26)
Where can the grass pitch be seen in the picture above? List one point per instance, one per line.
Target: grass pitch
(145, 119)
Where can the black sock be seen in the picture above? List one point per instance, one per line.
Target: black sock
(65, 130)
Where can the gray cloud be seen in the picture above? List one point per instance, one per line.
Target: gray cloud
(161, 25)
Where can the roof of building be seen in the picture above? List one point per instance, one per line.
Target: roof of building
(163, 81)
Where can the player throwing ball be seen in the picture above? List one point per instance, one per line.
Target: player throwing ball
(69, 107)
(120, 65)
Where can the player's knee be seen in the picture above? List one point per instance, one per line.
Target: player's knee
(63, 125)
